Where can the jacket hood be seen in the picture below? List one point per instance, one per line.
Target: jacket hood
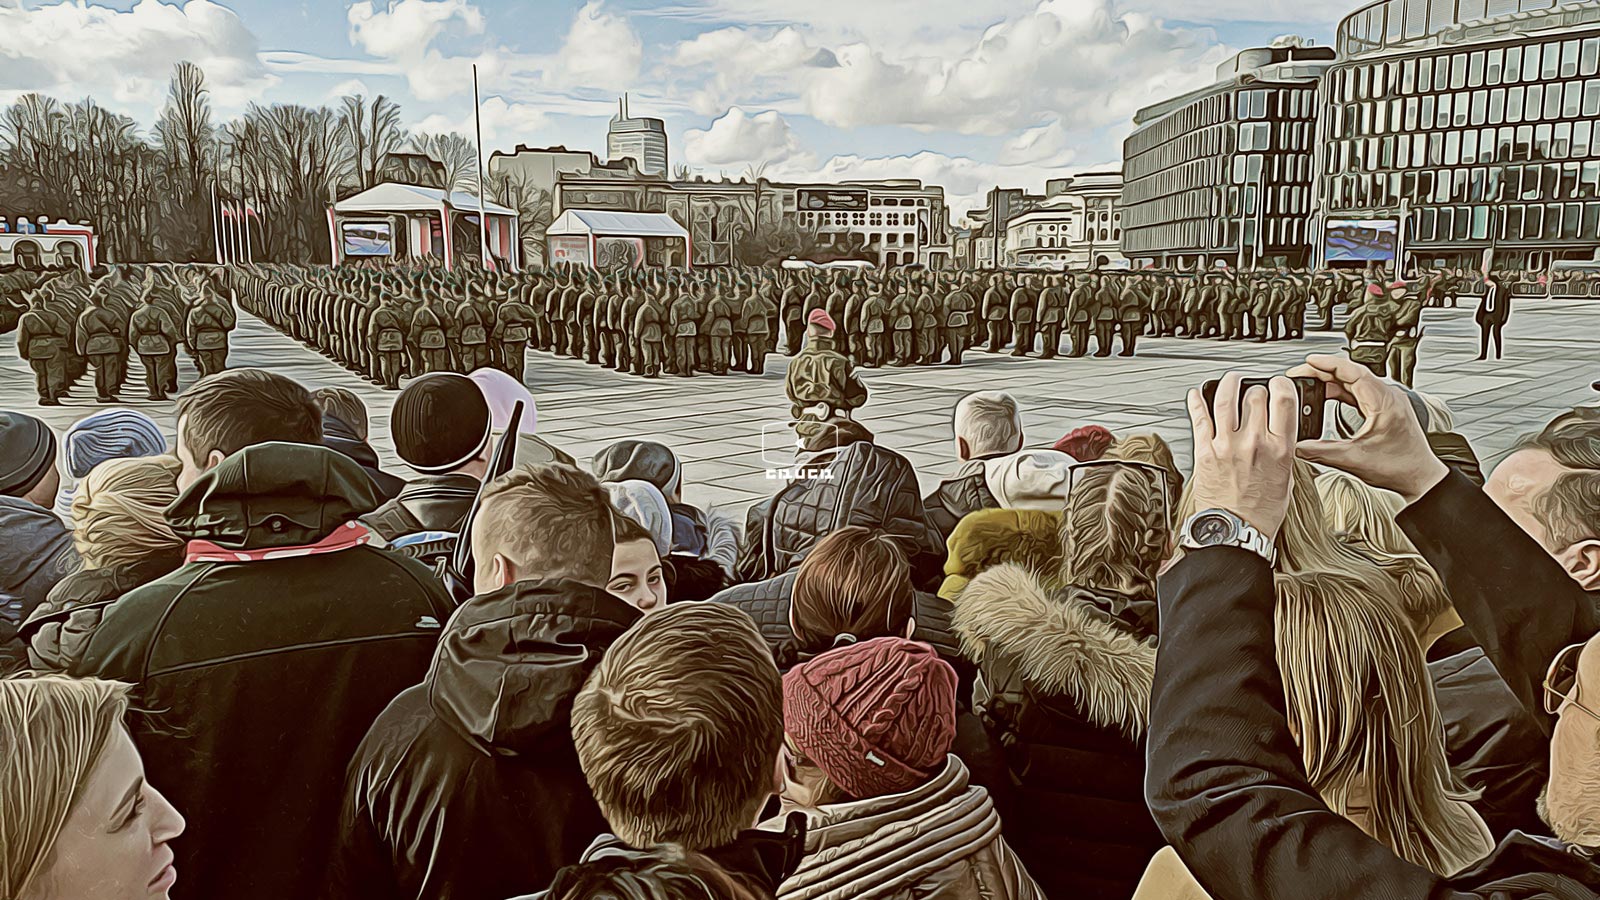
(35, 552)
(882, 845)
(1061, 645)
(273, 495)
(988, 537)
(510, 663)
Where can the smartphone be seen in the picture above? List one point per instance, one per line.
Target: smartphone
(1313, 401)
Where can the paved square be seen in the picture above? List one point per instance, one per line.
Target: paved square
(716, 424)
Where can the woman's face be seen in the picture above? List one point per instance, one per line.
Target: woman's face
(114, 844)
(636, 576)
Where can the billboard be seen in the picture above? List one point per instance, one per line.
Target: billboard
(1361, 240)
(366, 239)
(569, 248)
(834, 199)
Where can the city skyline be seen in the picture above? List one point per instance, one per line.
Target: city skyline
(962, 95)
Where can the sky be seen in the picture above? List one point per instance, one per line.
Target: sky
(968, 94)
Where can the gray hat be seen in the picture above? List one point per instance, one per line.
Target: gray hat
(646, 460)
(27, 451)
(644, 503)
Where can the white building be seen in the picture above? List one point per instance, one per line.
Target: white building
(1077, 226)
(641, 139)
(900, 222)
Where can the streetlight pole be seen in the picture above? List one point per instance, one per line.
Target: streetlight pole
(483, 187)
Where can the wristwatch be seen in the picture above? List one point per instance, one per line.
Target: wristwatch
(1220, 528)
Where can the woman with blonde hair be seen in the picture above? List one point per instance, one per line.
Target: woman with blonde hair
(77, 819)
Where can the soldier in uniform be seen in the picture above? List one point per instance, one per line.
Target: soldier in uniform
(1022, 311)
(100, 339)
(720, 314)
(514, 325)
(471, 323)
(959, 314)
(1402, 361)
(427, 331)
(386, 333)
(900, 324)
(875, 322)
(925, 325)
(154, 337)
(1131, 306)
(1080, 313)
(208, 326)
(1105, 316)
(1370, 329)
(684, 321)
(1266, 298)
(823, 387)
(649, 331)
(1052, 312)
(42, 340)
(792, 307)
(994, 314)
(755, 316)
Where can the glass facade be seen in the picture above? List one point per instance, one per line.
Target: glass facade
(1229, 169)
(1485, 143)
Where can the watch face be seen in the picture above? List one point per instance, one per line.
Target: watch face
(1211, 530)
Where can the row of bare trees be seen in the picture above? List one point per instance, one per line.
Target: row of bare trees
(150, 197)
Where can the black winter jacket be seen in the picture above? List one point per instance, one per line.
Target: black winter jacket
(1224, 779)
(1494, 744)
(429, 503)
(468, 786)
(1065, 688)
(263, 676)
(955, 497)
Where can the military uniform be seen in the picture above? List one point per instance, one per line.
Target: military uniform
(43, 340)
(901, 322)
(471, 335)
(1052, 315)
(754, 340)
(925, 325)
(100, 338)
(1370, 329)
(427, 330)
(1105, 318)
(959, 312)
(1022, 313)
(720, 314)
(994, 315)
(822, 376)
(684, 322)
(650, 331)
(386, 333)
(1130, 317)
(1402, 357)
(154, 336)
(515, 323)
(875, 321)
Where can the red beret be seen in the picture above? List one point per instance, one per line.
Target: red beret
(821, 317)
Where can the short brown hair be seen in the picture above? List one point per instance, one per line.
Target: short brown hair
(240, 408)
(678, 728)
(856, 581)
(551, 519)
(343, 404)
(1570, 507)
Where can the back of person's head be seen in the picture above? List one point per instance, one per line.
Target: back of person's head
(545, 521)
(224, 413)
(1086, 443)
(666, 872)
(1565, 502)
(1359, 701)
(1150, 448)
(650, 461)
(110, 434)
(441, 424)
(1115, 530)
(678, 727)
(854, 585)
(873, 718)
(1440, 419)
(987, 423)
(344, 406)
(119, 511)
(54, 731)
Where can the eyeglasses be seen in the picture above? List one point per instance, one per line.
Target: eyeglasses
(1155, 471)
(1561, 682)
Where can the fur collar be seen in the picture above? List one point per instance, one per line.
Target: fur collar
(1058, 645)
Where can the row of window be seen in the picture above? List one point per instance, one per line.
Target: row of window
(1213, 235)
(1402, 21)
(1289, 201)
(1546, 61)
(1052, 241)
(1477, 184)
(1276, 103)
(1515, 222)
(1204, 112)
(846, 219)
(1541, 143)
(1496, 106)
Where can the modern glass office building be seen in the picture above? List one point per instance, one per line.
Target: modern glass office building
(1224, 173)
(1470, 125)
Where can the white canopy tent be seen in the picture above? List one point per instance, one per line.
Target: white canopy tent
(595, 237)
(362, 225)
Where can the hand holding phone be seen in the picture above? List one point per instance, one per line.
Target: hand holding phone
(1313, 401)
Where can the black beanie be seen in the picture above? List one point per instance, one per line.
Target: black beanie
(27, 450)
(440, 422)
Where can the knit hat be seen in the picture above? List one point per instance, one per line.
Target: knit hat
(878, 717)
(111, 434)
(820, 317)
(27, 450)
(645, 460)
(502, 392)
(1029, 479)
(643, 502)
(440, 422)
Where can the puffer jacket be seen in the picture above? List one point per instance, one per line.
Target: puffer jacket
(867, 485)
(35, 554)
(1066, 691)
(467, 787)
(989, 537)
(939, 841)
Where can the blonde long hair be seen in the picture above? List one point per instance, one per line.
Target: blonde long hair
(119, 511)
(53, 731)
(1114, 531)
(1360, 703)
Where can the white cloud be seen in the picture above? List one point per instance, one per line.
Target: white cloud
(601, 51)
(505, 124)
(353, 87)
(1304, 12)
(406, 28)
(738, 138)
(125, 58)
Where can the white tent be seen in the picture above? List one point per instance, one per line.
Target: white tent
(358, 225)
(576, 235)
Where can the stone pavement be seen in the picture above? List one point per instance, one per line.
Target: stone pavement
(716, 424)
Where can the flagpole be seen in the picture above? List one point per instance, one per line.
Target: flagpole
(249, 253)
(477, 121)
(216, 208)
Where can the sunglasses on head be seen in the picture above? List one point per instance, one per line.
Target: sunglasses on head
(1561, 682)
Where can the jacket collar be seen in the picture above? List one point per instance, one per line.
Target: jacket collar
(273, 495)
(1059, 644)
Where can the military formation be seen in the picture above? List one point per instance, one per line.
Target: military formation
(73, 324)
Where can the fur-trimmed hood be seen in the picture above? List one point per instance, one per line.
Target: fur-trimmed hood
(1059, 645)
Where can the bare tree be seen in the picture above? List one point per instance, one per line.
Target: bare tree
(369, 133)
(458, 154)
(185, 138)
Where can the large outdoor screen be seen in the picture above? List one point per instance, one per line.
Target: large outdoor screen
(1361, 240)
(367, 239)
(837, 200)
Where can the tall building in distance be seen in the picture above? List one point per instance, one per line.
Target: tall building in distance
(1452, 127)
(641, 139)
(1077, 224)
(1224, 173)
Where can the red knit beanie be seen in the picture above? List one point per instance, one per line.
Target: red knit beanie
(877, 717)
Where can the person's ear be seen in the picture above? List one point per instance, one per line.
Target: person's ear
(963, 451)
(504, 571)
(1582, 562)
(911, 627)
(214, 459)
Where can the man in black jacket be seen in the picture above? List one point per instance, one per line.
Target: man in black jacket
(441, 427)
(987, 424)
(263, 659)
(1224, 777)
(468, 786)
